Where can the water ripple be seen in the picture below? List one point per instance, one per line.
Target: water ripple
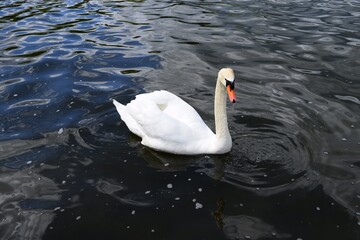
(30, 103)
(6, 83)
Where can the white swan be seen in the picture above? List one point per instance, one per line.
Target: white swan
(166, 123)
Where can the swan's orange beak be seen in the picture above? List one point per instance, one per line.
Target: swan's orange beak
(231, 93)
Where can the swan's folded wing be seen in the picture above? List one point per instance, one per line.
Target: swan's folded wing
(155, 123)
(178, 109)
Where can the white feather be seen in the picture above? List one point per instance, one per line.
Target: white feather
(166, 123)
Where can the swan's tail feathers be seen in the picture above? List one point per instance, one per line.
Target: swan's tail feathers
(130, 122)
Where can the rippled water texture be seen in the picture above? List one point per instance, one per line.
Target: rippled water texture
(70, 169)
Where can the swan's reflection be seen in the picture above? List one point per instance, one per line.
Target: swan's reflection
(250, 228)
(165, 161)
(211, 165)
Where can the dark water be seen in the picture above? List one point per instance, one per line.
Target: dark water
(71, 170)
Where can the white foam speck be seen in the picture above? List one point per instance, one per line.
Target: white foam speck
(169, 185)
(133, 212)
(61, 130)
(198, 205)
(147, 192)
(78, 218)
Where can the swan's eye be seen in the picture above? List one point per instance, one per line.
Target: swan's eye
(231, 83)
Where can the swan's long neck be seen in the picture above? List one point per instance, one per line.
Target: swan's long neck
(221, 125)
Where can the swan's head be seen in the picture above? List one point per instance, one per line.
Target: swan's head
(227, 77)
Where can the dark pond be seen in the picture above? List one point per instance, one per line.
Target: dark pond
(70, 169)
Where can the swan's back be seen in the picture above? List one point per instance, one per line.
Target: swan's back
(165, 122)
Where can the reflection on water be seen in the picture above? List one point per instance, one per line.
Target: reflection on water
(27, 202)
(71, 170)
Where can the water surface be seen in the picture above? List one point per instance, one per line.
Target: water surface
(70, 169)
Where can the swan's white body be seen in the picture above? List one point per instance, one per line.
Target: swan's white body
(166, 123)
